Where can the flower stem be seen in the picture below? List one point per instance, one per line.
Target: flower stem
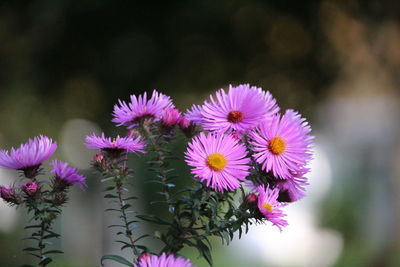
(40, 242)
(160, 157)
(128, 232)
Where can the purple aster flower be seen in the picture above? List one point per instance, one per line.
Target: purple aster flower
(163, 261)
(118, 144)
(195, 114)
(270, 207)
(292, 189)
(140, 109)
(241, 109)
(66, 176)
(30, 188)
(29, 156)
(218, 159)
(282, 145)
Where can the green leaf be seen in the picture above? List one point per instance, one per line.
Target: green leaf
(143, 236)
(116, 258)
(54, 252)
(128, 198)
(109, 188)
(106, 179)
(45, 261)
(153, 219)
(113, 210)
(30, 249)
(32, 226)
(110, 196)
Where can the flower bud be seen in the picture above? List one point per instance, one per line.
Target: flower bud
(236, 135)
(184, 123)
(98, 158)
(6, 193)
(251, 198)
(144, 256)
(9, 195)
(187, 127)
(171, 117)
(30, 188)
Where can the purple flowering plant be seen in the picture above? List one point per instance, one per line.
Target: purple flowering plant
(248, 162)
(43, 198)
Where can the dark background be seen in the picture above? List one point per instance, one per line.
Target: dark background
(64, 64)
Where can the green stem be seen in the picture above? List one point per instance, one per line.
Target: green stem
(40, 244)
(161, 170)
(128, 232)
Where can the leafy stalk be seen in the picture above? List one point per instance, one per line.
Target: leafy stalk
(45, 210)
(114, 168)
(156, 144)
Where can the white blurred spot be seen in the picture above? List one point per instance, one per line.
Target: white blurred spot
(319, 177)
(302, 242)
(72, 146)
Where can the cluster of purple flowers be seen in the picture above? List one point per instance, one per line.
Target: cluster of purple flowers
(237, 138)
(28, 159)
(247, 136)
(243, 135)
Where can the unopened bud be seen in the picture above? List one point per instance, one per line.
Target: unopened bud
(98, 158)
(187, 127)
(6, 193)
(9, 195)
(171, 117)
(144, 256)
(236, 135)
(30, 188)
(251, 198)
(184, 123)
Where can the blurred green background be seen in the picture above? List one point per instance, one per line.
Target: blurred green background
(64, 64)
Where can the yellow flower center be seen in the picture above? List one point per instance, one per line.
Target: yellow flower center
(216, 161)
(235, 116)
(277, 145)
(268, 207)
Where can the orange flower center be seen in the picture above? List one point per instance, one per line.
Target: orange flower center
(268, 207)
(235, 116)
(216, 161)
(277, 145)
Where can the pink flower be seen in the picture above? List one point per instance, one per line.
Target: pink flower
(66, 176)
(163, 260)
(194, 114)
(241, 109)
(140, 109)
(270, 207)
(292, 189)
(219, 160)
(282, 145)
(127, 143)
(29, 156)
